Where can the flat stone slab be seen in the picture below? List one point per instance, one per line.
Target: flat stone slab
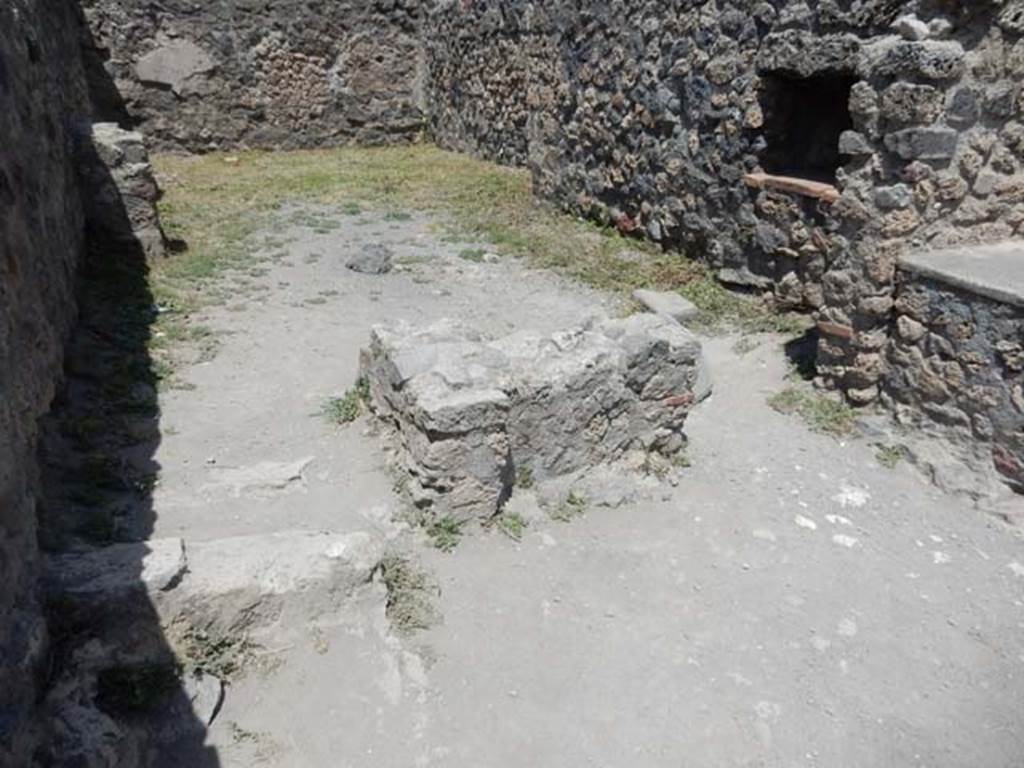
(667, 303)
(995, 271)
(118, 571)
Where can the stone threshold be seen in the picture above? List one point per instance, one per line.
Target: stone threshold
(994, 271)
(805, 187)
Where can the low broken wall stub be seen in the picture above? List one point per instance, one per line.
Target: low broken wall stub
(955, 365)
(469, 414)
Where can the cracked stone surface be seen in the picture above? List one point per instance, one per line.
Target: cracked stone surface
(471, 413)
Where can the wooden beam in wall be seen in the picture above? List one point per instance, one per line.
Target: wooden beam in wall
(815, 189)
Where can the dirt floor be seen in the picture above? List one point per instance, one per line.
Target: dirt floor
(786, 600)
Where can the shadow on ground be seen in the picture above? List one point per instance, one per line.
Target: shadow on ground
(115, 688)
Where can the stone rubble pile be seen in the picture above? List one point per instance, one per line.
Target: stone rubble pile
(471, 414)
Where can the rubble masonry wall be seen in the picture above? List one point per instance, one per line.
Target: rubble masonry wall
(956, 362)
(41, 240)
(649, 114)
(258, 73)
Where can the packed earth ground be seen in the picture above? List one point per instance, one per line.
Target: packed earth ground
(794, 593)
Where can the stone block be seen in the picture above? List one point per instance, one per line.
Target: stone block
(909, 27)
(923, 143)
(468, 412)
(137, 595)
(928, 59)
(667, 303)
(372, 259)
(173, 65)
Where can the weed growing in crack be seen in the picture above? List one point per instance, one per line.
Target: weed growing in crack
(445, 533)
(409, 606)
(350, 406)
(572, 506)
(524, 478)
(820, 412)
(889, 456)
(512, 525)
(222, 656)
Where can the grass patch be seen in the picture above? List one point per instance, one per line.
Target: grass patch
(889, 456)
(821, 412)
(524, 478)
(218, 209)
(222, 656)
(512, 525)
(445, 533)
(409, 606)
(572, 506)
(476, 255)
(350, 406)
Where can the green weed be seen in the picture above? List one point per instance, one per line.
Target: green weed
(512, 525)
(475, 255)
(821, 412)
(572, 506)
(524, 478)
(410, 590)
(350, 406)
(889, 456)
(445, 533)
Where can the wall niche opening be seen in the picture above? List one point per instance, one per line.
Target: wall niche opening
(803, 119)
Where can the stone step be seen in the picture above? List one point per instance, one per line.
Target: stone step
(995, 271)
(135, 598)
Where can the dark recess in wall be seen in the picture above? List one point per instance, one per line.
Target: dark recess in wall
(803, 119)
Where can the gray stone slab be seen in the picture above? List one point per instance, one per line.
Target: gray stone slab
(995, 271)
(667, 303)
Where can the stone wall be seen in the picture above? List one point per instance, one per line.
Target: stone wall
(41, 239)
(277, 73)
(650, 115)
(495, 77)
(956, 366)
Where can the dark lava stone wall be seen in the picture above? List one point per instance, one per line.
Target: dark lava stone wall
(259, 73)
(41, 239)
(957, 360)
(649, 114)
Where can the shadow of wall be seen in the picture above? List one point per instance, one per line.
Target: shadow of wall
(80, 479)
(115, 685)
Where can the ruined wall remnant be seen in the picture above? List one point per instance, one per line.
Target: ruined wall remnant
(121, 191)
(285, 73)
(651, 115)
(956, 360)
(470, 414)
(41, 239)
